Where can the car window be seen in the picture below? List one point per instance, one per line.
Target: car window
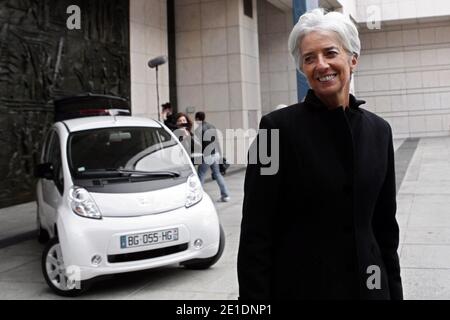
(130, 148)
(54, 157)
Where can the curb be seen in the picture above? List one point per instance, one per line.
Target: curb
(25, 236)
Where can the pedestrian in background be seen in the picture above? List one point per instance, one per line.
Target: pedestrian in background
(323, 226)
(184, 124)
(168, 117)
(184, 132)
(207, 134)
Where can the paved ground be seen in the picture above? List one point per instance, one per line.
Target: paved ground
(423, 215)
(424, 218)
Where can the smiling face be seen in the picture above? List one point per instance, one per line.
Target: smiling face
(328, 67)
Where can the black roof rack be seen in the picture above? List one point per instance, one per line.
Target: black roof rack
(88, 105)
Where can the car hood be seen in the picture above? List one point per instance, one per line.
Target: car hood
(141, 204)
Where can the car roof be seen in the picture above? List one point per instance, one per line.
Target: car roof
(98, 122)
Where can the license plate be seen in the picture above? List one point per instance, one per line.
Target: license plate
(148, 238)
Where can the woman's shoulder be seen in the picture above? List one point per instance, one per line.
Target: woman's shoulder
(375, 119)
(283, 116)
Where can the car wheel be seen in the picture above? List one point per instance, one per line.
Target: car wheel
(42, 234)
(55, 274)
(200, 264)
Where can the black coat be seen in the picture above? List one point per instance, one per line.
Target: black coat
(312, 230)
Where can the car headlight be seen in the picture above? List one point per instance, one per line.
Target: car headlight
(82, 203)
(194, 191)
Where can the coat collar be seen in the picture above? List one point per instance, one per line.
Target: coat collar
(311, 100)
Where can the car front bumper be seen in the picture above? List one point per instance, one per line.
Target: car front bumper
(81, 239)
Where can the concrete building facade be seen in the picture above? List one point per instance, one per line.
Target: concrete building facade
(404, 71)
(237, 68)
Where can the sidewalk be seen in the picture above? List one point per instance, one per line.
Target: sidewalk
(17, 223)
(424, 217)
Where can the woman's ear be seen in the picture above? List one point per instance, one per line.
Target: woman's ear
(353, 62)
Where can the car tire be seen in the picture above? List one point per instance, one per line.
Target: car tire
(201, 264)
(53, 269)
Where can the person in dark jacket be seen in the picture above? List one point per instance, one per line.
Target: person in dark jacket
(168, 116)
(208, 136)
(323, 226)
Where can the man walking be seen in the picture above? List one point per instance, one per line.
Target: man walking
(207, 134)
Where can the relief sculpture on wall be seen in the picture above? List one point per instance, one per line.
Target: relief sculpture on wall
(40, 59)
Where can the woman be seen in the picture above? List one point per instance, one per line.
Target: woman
(323, 226)
(184, 132)
(184, 123)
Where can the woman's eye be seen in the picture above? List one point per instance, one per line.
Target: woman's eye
(332, 53)
(307, 60)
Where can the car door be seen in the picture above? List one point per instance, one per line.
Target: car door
(52, 190)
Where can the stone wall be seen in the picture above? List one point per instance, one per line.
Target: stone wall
(40, 58)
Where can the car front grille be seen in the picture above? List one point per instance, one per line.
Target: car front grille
(149, 254)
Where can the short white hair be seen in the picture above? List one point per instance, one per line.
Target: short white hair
(318, 20)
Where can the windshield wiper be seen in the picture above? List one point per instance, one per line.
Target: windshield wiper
(165, 173)
(122, 172)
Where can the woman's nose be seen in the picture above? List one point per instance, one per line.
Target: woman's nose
(321, 63)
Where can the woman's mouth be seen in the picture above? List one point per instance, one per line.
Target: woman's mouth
(327, 78)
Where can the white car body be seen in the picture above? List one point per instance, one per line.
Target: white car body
(131, 213)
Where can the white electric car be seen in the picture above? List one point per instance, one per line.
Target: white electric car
(118, 194)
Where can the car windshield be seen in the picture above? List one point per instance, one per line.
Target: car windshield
(136, 151)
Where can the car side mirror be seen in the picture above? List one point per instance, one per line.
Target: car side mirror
(44, 171)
